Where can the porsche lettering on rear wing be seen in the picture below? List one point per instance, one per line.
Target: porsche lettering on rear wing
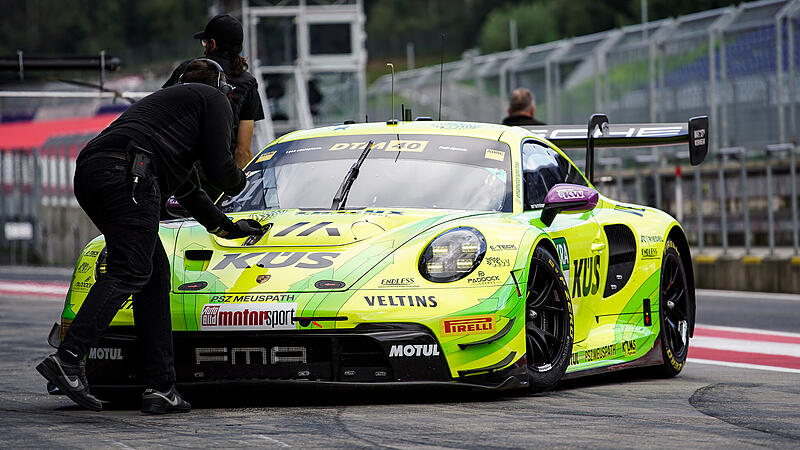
(604, 135)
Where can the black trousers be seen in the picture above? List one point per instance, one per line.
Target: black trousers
(137, 265)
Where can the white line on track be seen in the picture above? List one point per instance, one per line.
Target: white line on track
(741, 345)
(267, 438)
(748, 330)
(746, 295)
(743, 365)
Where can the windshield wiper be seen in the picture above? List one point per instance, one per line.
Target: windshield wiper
(341, 195)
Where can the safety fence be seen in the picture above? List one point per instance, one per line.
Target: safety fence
(39, 216)
(738, 65)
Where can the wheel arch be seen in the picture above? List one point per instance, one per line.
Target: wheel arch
(677, 235)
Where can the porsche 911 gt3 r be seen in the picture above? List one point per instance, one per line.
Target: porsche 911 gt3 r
(433, 252)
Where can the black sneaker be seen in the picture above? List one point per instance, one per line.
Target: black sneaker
(155, 402)
(71, 380)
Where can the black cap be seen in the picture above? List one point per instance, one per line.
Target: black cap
(224, 29)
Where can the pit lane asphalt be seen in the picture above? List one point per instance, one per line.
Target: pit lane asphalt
(705, 406)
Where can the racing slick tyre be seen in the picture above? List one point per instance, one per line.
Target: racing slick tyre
(549, 324)
(673, 312)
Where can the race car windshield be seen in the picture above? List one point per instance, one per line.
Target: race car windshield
(433, 171)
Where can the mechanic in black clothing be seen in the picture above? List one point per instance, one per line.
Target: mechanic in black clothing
(521, 108)
(122, 178)
(222, 39)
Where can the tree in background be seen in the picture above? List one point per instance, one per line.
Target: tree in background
(144, 31)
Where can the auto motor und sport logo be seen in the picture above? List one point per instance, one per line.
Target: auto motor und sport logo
(456, 326)
(248, 316)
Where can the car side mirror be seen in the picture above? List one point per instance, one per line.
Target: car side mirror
(567, 197)
(175, 209)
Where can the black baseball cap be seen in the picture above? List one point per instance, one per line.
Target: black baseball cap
(224, 29)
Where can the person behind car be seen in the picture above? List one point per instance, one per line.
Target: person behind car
(122, 178)
(521, 109)
(222, 39)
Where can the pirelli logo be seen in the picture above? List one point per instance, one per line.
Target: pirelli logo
(456, 326)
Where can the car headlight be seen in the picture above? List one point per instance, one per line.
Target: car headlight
(100, 266)
(452, 255)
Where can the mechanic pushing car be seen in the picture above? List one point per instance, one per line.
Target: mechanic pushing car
(122, 178)
(222, 39)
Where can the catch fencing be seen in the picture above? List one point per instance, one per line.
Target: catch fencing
(738, 65)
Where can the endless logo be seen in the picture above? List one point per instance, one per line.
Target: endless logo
(414, 350)
(455, 326)
(248, 316)
(588, 270)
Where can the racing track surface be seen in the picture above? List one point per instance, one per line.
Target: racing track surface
(708, 405)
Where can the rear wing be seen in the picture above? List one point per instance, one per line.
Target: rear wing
(601, 134)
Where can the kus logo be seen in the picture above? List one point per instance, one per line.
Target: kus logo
(629, 347)
(111, 354)
(274, 260)
(414, 350)
(456, 326)
(586, 278)
(397, 282)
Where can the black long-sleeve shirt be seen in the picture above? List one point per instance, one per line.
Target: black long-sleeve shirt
(180, 125)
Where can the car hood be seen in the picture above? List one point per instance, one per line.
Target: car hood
(301, 251)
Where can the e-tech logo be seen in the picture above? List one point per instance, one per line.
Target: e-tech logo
(502, 247)
(273, 260)
(414, 350)
(586, 277)
(456, 326)
(248, 316)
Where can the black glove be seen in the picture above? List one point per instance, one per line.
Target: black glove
(239, 229)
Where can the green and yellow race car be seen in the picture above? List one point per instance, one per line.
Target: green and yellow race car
(421, 252)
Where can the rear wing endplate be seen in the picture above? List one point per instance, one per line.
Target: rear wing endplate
(603, 135)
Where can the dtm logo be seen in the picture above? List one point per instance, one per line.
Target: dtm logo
(106, 353)
(414, 350)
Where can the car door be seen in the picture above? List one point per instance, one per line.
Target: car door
(576, 235)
